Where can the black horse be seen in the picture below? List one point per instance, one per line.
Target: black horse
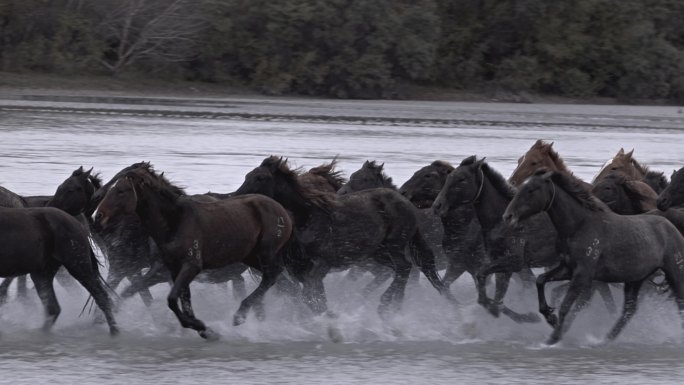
(372, 175)
(37, 241)
(194, 235)
(339, 232)
(673, 195)
(474, 183)
(599, 245)
(71, 196)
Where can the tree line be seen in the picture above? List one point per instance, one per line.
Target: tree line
(626, 49)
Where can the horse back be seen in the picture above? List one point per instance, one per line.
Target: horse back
(230, 230)
(34, 238)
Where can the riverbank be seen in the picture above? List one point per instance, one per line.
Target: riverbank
(26, 85)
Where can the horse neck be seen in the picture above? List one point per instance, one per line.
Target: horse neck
(158, 215)
(490, 206)
(566, 213)
(291, 199)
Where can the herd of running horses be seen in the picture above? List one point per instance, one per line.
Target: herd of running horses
(293, 227)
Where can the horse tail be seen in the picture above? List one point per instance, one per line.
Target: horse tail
(95, 266)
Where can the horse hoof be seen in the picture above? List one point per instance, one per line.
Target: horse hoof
(532, 318)
(552, 340)
(260, 313)
(209, 335)
(113, 331)
(238, 319)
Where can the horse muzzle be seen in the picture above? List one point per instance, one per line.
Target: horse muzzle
(663, 203)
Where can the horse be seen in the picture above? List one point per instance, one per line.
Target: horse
(625, 164)
(372, 175)
(194, 235)
(129, 249)
(624, 196)
(474, 183)
(599, 245)
(37, 241)
(71, 195)
(462, 239)
(673, 195)
(341, 231)
(541, 155)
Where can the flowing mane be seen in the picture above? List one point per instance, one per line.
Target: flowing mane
(327, 171)
(495, 178)
(379, 168)
(158, 181)
(322, 200)
(578, 190)
(553, 154)
(95, 180)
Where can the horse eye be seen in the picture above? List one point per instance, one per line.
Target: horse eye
(427, 176)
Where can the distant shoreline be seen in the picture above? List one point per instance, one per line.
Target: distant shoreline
(24, 85)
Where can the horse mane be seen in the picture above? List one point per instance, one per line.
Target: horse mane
(641, 168)
(495, 178)
(159, 181)
(379, 168)
(578, 190)
(328, 172)
(553, 154)
(322, 200)
(95, 180)
(442, 164)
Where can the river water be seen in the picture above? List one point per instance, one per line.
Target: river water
(210, 144)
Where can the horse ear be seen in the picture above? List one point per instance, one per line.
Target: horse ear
(621, 152)
(538, 143)
(382, 165)
(366, 164)
(77, 172)
(629, 154)
(87, 174)
(481, 162)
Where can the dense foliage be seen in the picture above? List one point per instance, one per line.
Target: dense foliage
(629, 49)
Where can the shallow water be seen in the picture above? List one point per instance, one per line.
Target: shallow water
(428, 342)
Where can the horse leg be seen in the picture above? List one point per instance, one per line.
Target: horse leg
(453, 272)
(239, 289)
(527, 277)
(580, 292)
(392, 298)
(630, 307)
(156, 274)
(314, 291)
(181, 288)
(268, 278)
(430, 272)
(354, 273)
(92, 281)
(604, 290)
(143, 292)
(380, 275)
(46, 292)
(559, 273)
(22, 287)
(4, 287)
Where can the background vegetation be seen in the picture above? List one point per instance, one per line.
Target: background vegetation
(626, 49)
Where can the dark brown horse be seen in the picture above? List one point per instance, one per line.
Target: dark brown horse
(624, 196)
(340, 232)
(624, 164)
(38, 241)
(600, 245)
(196, 235)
